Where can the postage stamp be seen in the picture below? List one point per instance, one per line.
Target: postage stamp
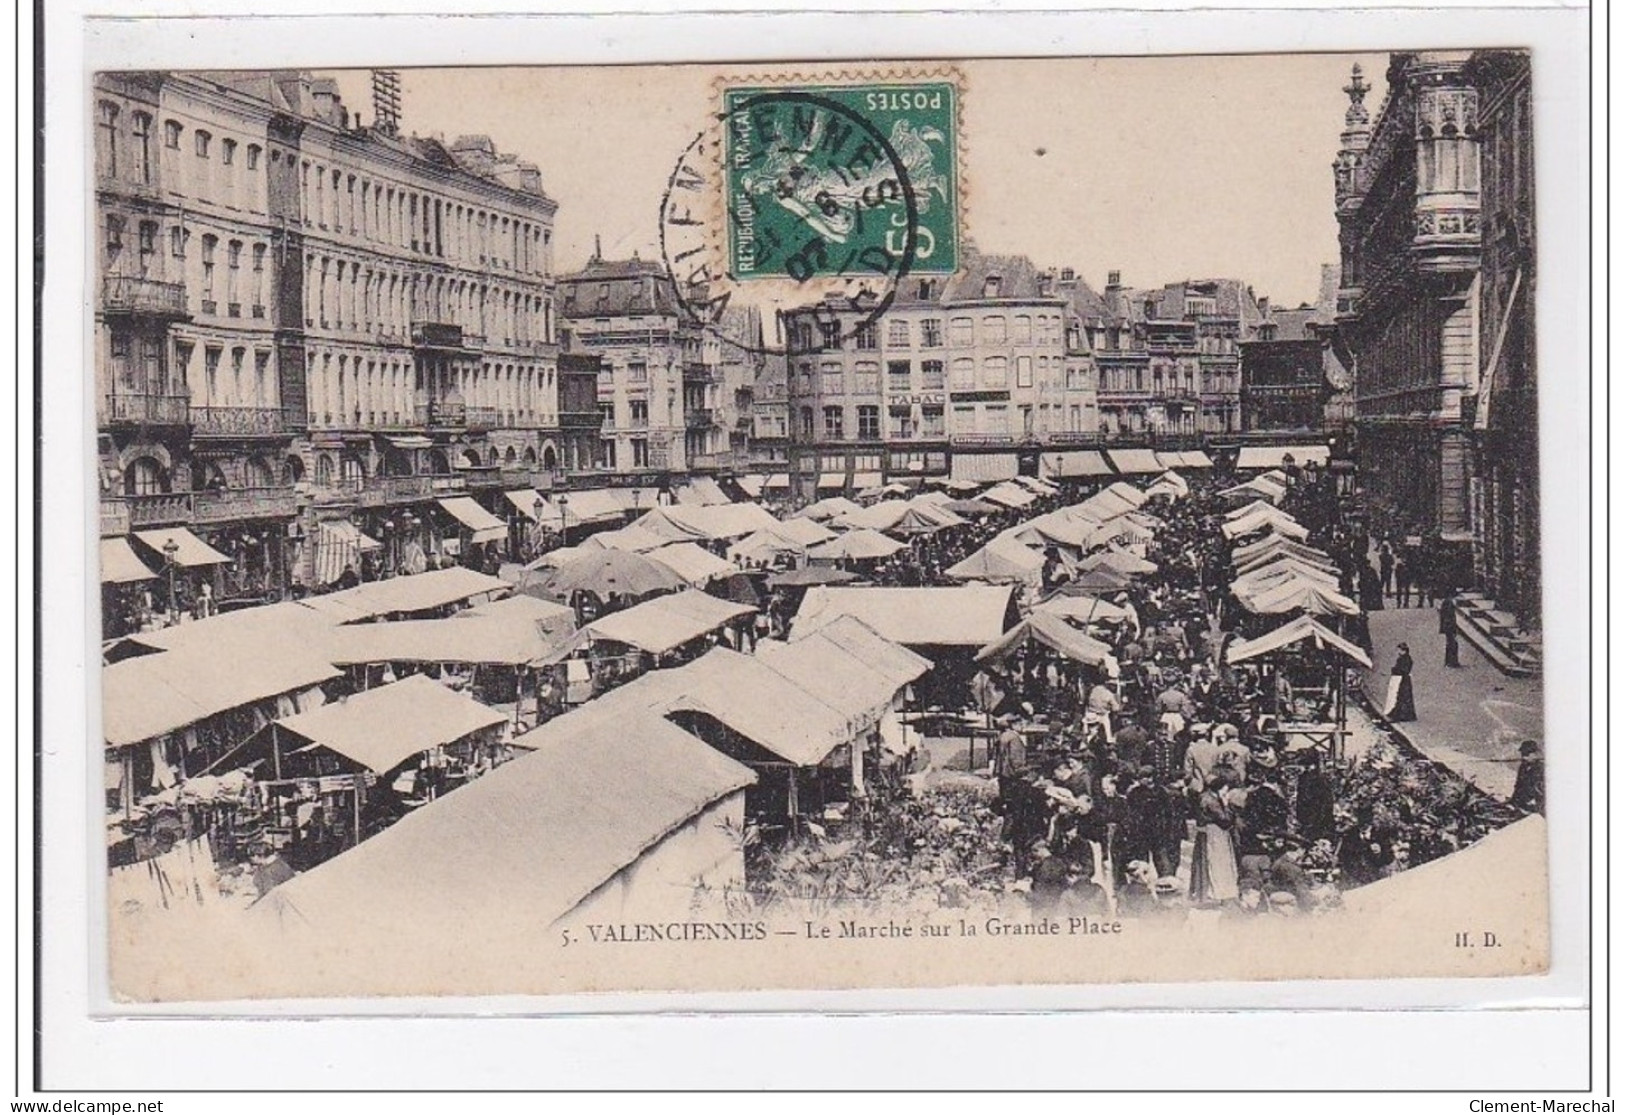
(832, 180)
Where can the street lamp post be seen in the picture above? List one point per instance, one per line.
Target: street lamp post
(564, 520)
(171, 548)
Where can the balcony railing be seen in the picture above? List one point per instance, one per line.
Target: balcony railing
(238, 421)
(699, 418)
(159, 510)
(377, 491)
(126, 294)
(115, 517)
(484, 418)
(145, 408)
(437, 334)
(699, 373)
(233, 504)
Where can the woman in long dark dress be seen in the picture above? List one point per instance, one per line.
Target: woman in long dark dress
(1404, 697)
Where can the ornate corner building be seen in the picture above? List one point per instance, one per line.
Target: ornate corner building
(1435, 204)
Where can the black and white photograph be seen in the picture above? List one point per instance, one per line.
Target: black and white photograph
(818, 526)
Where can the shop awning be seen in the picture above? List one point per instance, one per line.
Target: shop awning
(779, 481)
(484, 526)
(190, 550)
(667, 622)
(1195, 458)
(863, 480)
(829, 480)
(984, 467)
(751, 485)
(1083, 462)
(524, 500)
(382, 728)
(119, 564)
(1274, 456)
(339, 546)
(408, 441)
(1133, 461)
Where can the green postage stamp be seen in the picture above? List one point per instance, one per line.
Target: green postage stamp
(841, 181)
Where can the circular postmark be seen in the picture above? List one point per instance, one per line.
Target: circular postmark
(791, 200)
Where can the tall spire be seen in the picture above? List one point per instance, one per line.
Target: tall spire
(1355, 139)
(597, 248)
(1356, 117)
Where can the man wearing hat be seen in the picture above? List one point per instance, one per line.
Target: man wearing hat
(1263, 816)
(1529, 790)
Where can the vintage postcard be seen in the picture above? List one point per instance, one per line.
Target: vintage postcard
(872, 524)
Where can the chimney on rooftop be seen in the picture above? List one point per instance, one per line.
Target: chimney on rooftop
(1114, 280)
(1068, 275)
(1264, 306)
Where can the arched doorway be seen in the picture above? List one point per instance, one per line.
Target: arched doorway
(259, 473)
(207, 477)
(530, 456)
(471, 458)
(293, 471)
(550, 459)
(352, 473)
(511, 457)
(397, 462)
(438, 464)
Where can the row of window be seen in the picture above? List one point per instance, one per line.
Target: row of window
(1186, 382)
(963, 331)
(128, 152)
(1045, 372)
(346, 390)
(355, 205)
(347, 294)
(907, 422)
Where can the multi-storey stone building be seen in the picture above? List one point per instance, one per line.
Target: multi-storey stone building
(310, 332)
(960, 376)
(1407, 190)
(1170, 359)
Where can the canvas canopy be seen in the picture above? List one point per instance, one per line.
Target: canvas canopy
(1128, 493)
(119, 564)
(1284, 568)
(1134, 461)
(484, 526)
(860, 680)
(1293, 632)
(874, 481)
(490, 640)
(984, 467)
(550, 618)
(831, 481)
(419, 592)
(667, 622)
(189, 550)
(694, 565)
(751, 484)
(1274, 456)
(1169, 483)
(766, 707)
(967, 615)
(382, 728)
(701, 491)
(1083, 609)
(1055, 527)
(1082, 462)
(596, 796)
(811, 575)
(896, 516)
(1009, 495)
(155, 694)
(603, 572)
(633, 538)
(524, 501)
(1051, 631)
(1279, 522)
(778, 481)
(1299, 595)
(764, 545)
(1000, 561)
(827, 508)
(1119, 561)
(856, 545)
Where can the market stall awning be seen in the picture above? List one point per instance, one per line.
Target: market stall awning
(1051, 631)
(1132, 462)
(806, 532)
(551, 619)
(667, 622)
(154, 694)
(419, 592)
(1008, 495)
(1274, 456)
(966, 615)
(702, 491)
(1300, 630)
(590, 505)
(744, 693)
(1001, 561)
(827, 508)
(1083, 609)
(1195, 458)
(119, 564)
(500, 639)
(190, 550)
(1279, 522)
(1055, 527)
(633, 538)
(597, 795)
(1299, 595)
(984, 467)
(1120, 561)
(751, 484)
(846, 664)
(607, 572)
(484, 526)
(856, 545)
(696, 566)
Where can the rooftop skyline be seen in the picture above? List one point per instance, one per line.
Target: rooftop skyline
(1161, 168)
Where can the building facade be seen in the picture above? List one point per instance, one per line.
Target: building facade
(661, 381)
(963, 376)
(1505, 412)
(310, 332)
(1407, 192)
(1170, 359)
